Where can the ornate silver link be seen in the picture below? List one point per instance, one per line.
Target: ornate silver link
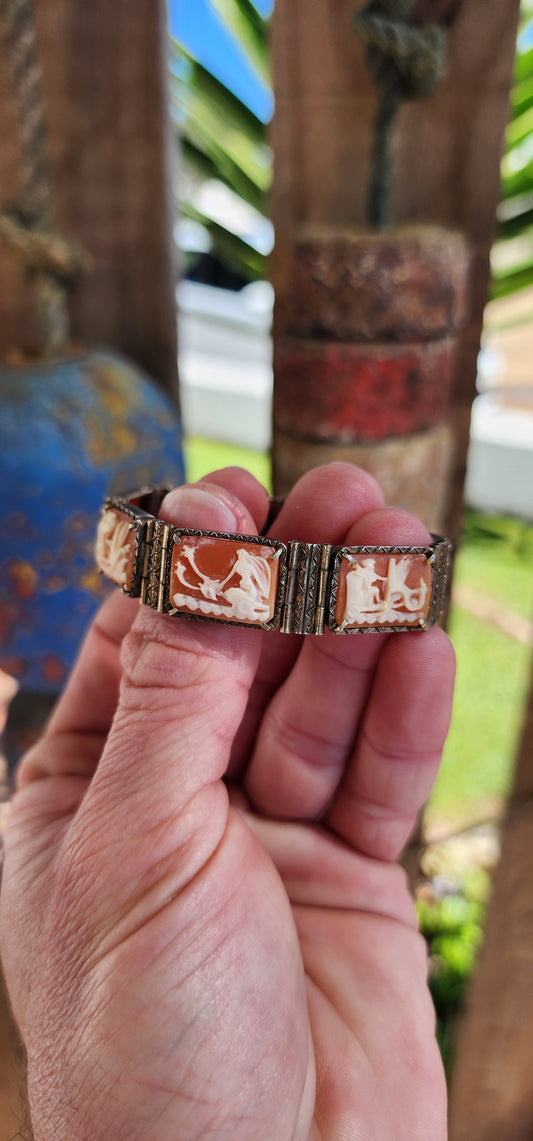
(304, 607)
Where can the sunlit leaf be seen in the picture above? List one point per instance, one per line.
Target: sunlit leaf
(189, 75)
(523, 65)
(520, 127)
(521, 97)
(195, 159)
(242, 19)
(221, 138)
(204, 122)
(512, 258)
(231, 249)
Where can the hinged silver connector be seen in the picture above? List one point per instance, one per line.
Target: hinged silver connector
(157, 565)
(304, 605)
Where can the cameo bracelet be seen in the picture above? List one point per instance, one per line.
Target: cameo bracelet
(244, 580)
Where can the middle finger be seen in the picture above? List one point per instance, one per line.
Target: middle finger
(320, 508)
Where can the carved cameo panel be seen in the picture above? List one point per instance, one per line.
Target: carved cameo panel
(115, 547)
(382, 590)
(229, 579)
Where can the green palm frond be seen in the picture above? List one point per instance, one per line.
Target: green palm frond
(512, 261)
(217, 124)
(249, 29)
(220, 137)
(230, 248)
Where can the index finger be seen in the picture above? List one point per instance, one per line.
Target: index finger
(89, 701)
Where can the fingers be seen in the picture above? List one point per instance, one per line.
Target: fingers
(312, 722)
(245, 487)
(321, 508)
(396, 759)
(88, 704)
(318, 870)
(184, 688)
(89, 700)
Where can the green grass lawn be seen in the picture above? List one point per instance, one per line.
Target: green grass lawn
(496, 559)
(492, 677)
(203, 456)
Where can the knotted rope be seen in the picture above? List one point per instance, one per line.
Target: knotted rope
(41, 249)
(27, 232)
(407, 61)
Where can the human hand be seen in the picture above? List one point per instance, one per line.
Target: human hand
(204, 932)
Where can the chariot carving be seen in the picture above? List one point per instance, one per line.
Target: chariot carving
(243, 594)
(384, 599)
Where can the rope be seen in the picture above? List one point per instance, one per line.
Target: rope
(21, 54)
(407, 61)
(41, 250)
(27, 233)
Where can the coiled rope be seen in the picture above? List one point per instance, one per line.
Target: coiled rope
(407, 60)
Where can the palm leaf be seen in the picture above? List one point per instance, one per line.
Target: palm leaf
(521, 97)
(223, 143)
(232, 250)
(520, 127)
(513, 264)
(208, 166)
(249, 29)
(190, 76)
(221, 138)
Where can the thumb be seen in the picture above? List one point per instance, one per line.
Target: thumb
(157, 790)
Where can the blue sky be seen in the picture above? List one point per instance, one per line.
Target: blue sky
(196, 25)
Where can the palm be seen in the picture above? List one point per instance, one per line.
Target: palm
(194, 1004)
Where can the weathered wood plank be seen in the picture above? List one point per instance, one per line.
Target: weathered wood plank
(492, 1092)
(447, 153)
(104, 69)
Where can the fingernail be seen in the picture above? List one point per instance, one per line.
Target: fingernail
(195, 507)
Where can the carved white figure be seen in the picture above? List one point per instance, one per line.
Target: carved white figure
(412, 599)
(362, 589)
(372, 598)
(113, 548)
(251, 599)
(247, 601)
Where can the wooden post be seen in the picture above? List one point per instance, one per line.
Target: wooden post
(104, 77)
(447, 157)
(492, 1090)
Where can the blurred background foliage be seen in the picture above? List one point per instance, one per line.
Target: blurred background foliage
(512, 255)
(226, 163)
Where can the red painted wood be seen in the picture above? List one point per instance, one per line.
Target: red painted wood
(349, 392)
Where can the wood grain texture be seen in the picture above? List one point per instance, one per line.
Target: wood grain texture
(447, 153)
(104, 79)
(413, 471)
(492, 1091)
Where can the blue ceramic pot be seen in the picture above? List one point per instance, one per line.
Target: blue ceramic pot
(71, 432)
